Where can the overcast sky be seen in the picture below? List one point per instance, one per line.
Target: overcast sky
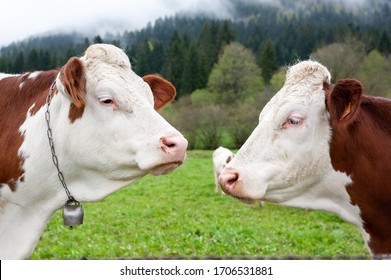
(20, 19)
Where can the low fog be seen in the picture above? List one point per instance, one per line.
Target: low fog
(23, 18)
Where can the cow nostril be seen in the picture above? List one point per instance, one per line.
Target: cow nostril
(232, 181)
(228, 180)
(173, 144)
(170, 145)
(167, 143)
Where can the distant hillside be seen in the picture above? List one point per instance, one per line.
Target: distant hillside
(292, 29)
(270, 17)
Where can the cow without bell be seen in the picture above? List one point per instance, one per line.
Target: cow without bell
(106, 134)
(321, 146)
(220, 157)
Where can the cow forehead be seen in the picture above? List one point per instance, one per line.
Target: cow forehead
(105, 62)
(109, 69)
(102, 53)
(311, 71)
(303, 87)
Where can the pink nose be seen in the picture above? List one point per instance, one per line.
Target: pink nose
(228, 180)
(174, 145)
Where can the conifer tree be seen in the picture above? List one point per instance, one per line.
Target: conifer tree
(384, 46)
(173, 65)
(267, 60)
(207, 49)
(19, 64)
(191, 79)
(33, 60)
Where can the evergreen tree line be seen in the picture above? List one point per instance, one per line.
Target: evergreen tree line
(226, 70)
(184, 49)
(30, 56)
(226, 111)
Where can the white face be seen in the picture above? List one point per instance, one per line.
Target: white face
(119, 134)
(288, 151)
(221, 157)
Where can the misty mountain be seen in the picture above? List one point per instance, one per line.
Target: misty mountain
(271, 17)
(288, 29)
(363, 14)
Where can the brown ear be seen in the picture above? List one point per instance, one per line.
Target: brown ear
(343, 102)
(163, 91)
(73, 77)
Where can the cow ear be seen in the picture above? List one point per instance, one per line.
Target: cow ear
(163, 91)
(73, 77)
(343, 102)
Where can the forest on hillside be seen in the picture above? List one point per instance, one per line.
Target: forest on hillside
(224, 66)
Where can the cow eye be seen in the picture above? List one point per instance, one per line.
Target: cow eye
(294, 121)
(106, 100)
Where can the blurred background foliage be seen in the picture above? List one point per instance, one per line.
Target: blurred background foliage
(226, 70)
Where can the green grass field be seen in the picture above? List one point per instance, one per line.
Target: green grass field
(179, 215)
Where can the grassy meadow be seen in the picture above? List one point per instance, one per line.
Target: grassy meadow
(180, 216)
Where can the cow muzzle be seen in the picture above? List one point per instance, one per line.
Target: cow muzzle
(174, 154)
(232, 184)
(174, 145)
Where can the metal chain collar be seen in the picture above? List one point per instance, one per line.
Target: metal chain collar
(71, 199)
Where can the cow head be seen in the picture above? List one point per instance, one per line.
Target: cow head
(111, 128)
(288, 152)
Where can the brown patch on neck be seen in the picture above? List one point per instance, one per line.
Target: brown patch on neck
(362, 150)
(17, 95)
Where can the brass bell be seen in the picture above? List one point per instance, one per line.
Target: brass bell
(73, 214)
